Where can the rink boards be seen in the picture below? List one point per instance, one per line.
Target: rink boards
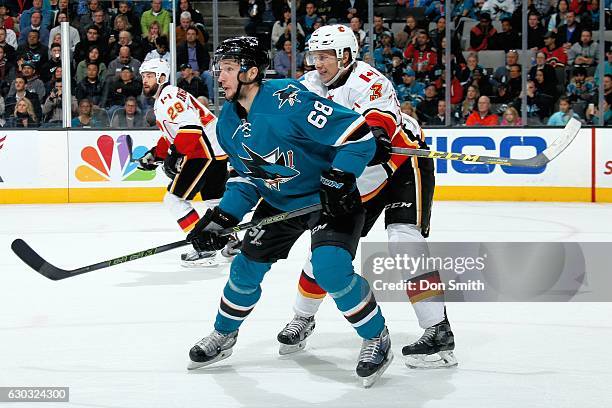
(62, 166)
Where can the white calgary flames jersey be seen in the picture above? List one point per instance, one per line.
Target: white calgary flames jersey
(179, 115)
(371, 94)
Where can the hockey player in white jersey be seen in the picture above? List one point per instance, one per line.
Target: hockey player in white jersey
(191, 155)
(401, 186)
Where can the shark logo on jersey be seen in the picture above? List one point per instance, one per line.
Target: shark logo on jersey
(272, 168)
(289, 94)
(245, 128)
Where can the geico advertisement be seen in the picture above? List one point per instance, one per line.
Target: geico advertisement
(33, 159)
(107, 159)
(570, 169)
(604, 158)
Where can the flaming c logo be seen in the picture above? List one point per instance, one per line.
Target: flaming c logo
(110, 160)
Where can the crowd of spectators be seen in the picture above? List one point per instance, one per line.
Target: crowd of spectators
(109, 40)
(409, 40)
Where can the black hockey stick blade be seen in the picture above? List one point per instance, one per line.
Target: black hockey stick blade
(31, 258)
(568, 134)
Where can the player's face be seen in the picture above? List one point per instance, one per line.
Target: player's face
(326, 64)
(149, 83)
(228, 77)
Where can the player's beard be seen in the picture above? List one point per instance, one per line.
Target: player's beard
(152, 91)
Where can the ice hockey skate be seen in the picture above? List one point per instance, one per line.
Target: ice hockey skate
(374, 358)
(434, 349)
(231, 250)
(212, 348)
(195, 259)
(293, 337)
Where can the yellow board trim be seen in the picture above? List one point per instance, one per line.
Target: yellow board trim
(503, 193)
(603, 195)
(35, 195)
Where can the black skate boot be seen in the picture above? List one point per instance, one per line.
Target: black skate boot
(212, 348)
(293, 337)
(434, 349)
(374, 358)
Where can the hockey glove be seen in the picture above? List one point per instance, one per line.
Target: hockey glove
(148, 161)
(205, 235)
(339, 193)
(172, 163)
(383, 146)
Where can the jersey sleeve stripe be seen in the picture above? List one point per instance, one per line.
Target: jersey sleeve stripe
(240, 179)
(385, 120)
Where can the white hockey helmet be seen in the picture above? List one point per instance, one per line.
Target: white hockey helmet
(157, 66)
(335, 37)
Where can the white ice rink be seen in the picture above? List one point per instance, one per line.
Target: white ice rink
(119, 337)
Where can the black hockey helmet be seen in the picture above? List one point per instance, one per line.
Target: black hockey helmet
(247, 51)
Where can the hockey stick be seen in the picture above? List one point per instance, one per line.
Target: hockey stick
(567, 136)
(36, 262)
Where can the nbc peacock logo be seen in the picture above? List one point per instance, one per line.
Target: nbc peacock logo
(110, 160)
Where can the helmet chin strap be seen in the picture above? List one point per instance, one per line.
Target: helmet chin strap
(341, 71)
(239, 87)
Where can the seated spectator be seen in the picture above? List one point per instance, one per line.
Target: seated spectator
(511, 117)
(429, 105)
(440, 118)
(499, 9)
(128, 117)
(120, 23)
(52, 108)
(480, 79)
(435, 10)
(538, 105)
(535, 32)
(544, 85)
(193, 52)
(465, 108)
(384, 54)
(34, 50)
(580, 87)
(55, 61)
(555, 56)
(92, 58)
(463, 9)
(466, 72)
(287, 35)
(36, 25)
(482, 116)
(92, 37)
(125, 10)
(25, 20)
(329, 11)
(150, 37)
(408, 109)
(592, 114)
(569, 33)
(7, 70)
(585, 52)
(156, 13)
(33, 83)
(185, 5)
(317, 25)
(255, 11)
(86, 18)
(9, 50)
(191, 83)
(501, 74)
(307, 20)
(86, 117)
(282, 60)
(421, 56)
(511, 88)
(378, 28)
(558, 19)
(541, 7)
(127, 40)
(481, 33)
(409, 32)
(75, 38)
(23, 116)
(348, 9)
(90, 87)
(122, 88)
(19, 91)
(181, 29)
(102, 22)
(508, 39)
(397, 68)
(357, 27)
(549, 72)
(437, 34)
(161, 52)
(590, 17)
(6, 20)
(123, 59)
(564, 114)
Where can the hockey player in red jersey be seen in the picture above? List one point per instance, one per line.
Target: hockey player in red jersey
(400, 186)
(188, 147)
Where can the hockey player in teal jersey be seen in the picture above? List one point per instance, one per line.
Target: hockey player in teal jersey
(290, 148)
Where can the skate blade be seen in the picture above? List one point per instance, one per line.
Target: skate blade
(285, 349)
(442, 359)
(367, 382)
(194, 365)
(201, 263)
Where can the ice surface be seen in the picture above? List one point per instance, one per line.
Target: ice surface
(119, 337)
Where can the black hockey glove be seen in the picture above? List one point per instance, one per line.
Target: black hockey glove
(339, 193)
(383, 146)
(172, 163)
(205, 235)
(148, 161)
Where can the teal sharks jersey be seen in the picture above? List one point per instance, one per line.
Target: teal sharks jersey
(288, 138)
